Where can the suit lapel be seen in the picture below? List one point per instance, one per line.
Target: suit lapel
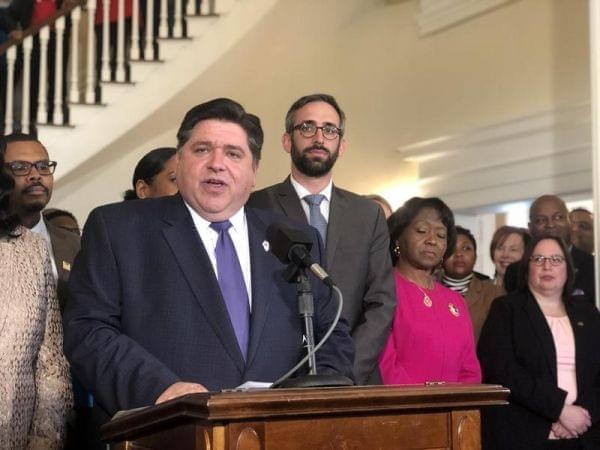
(335, 223)
(192, 258)
(260, 260)
(59, 243)
(578, 324)
(289, 201)
(542, 330)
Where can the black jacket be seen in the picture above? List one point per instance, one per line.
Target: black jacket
(516, 350)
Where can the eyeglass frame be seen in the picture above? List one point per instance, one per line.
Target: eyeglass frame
(339, 131)
(554, 260)
(51, 166)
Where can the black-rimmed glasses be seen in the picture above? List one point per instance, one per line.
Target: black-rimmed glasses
(554, 260)
(309, 129)
(23, 168)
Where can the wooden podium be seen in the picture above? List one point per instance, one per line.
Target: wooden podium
(358, 418)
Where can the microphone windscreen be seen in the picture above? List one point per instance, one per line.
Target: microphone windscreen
(282, 239)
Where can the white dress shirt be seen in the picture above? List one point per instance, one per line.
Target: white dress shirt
(239, 235)
(41, 229)
(302, 192)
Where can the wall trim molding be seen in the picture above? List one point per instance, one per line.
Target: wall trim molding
(436, 15)
(519, 159)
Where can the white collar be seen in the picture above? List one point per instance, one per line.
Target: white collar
(238, 220)
(303, 192)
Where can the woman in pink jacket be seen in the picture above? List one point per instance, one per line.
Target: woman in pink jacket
(432, 337)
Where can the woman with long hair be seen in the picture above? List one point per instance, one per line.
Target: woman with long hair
(35, 392)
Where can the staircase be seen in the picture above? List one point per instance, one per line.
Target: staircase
(98, 117)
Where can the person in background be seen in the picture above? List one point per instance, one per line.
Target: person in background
(548, 214)
(62, 219)
(35, 393)
(432, 337)
(458, 276)
(582, 229)
(507, 247)
(542, 344)
(154, 175)
(352, 228)
(385, 206)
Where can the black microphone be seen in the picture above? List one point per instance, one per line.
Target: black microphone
(290, 245)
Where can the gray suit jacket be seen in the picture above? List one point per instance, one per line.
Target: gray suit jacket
(357, 256)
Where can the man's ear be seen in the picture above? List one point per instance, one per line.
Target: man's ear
(342, 146)
(286, 142)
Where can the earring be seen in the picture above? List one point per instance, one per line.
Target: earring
(396, 249)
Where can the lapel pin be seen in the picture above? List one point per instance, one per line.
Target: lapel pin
(266, 246)
(66, 266)
(453, 310)
(580, 324)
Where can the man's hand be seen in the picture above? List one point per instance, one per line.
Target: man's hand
(178, 389)
(575, 419)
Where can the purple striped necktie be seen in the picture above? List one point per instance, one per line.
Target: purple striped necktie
(231, 282)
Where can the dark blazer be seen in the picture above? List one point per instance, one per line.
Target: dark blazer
(584, 286)
(516, 349)
(146, 311)
(358, 259)
(65, 246)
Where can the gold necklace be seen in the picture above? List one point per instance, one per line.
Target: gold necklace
(426, 299)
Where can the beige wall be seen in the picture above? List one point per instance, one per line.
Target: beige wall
(396, 88)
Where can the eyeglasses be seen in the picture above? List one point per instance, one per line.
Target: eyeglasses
(309, 129)
(554, 260)
(23, 168)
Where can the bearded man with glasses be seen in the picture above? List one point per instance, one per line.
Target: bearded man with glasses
(28, 162)
(353, 228)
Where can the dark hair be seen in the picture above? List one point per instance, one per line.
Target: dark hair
(581, 209)
(379, 199)
(502, 233)
(404, 216)
(302, 101)
(8, 222)
(20, 137)
(466, 232)
(523, 275)
(53, 213)
(226, 110)
(151, 164)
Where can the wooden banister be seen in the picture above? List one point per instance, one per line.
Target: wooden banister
(66, 8)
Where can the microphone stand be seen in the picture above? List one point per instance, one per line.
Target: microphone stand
(306, 309)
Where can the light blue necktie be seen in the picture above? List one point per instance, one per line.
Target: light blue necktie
(231, 282)
(316, 218)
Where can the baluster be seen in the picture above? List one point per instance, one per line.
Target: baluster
(11, 56)
(105, 74)
(121, 40)
(27, 46)
(42, 110)
(148, 49)
(163, 29)
(177, 28)
(74, 58)
(57, 116)
(191, 8)
(135, 30)
(90, 85)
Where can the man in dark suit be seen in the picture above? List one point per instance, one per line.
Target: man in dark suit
(32, 171)
(549, 214)
(353, 227)
(181, 294)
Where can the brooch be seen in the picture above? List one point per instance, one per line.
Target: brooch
(453, 310)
